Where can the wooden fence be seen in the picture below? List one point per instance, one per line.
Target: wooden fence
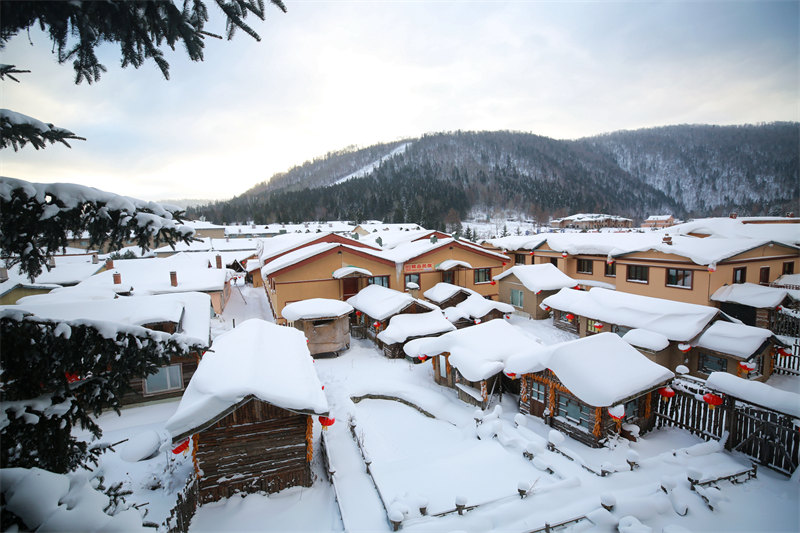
(181, 515)
(789, 364)
(767, 436)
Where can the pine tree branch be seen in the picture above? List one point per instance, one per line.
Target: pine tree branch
(17, 130)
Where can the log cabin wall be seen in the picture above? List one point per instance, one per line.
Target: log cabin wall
(137, 394)
(443, 376)
(258, 447)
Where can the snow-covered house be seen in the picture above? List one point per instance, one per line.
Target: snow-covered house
(447, 295)
(590, 387)
(761, 306)
(375, 305)
(591, 221)
(480, 309)
(665, 331)
(406, 327)
(186, 313)
(524, 287)
(471, 360)
(62, 271)
(659, 221)
(248, 412)
(519, 248)
(324, 322)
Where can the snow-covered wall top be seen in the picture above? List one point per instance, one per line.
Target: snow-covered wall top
(442, 291)
(737, 228)
(543, 277)
(476, 306)
(756, 392)
(734, 339)
(518, 242)
(316, 308)
(381, 302)
(296, 256)
(677, 321)
(256, 358)
(649, 340)
(753, 295)
(401, 327)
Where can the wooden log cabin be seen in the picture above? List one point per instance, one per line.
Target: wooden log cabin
(247, 413)
(375, 305)
(589, 388)
(407, 327)
(324, 322)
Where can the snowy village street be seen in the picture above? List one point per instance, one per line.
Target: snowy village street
(425, 450)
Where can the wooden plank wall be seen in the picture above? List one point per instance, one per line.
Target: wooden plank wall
(258, 447)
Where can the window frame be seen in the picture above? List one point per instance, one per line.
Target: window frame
(763, 275)
(537, 391)
(703, 368)
(562, 406)
(148, 392)
(610, 270)
(448, 276)
(371, 281)
(742, 278)
(521, 298)
(481, 272)
(519, 259)
(678, 284)
(787, 268)
(408, 277)
(641, 269)
(582, 266)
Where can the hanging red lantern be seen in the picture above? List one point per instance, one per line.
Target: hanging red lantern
(531, 252)
(508, 317)
(577, 287)
(570, 317)
(712, 268)
(783, 352)
(358, 313)
(684, 347)
(182, 447)
(546, 307)
(564, 254)
(779, 308)
(493, 282)
(616, 417)
(326, 422)
(666, 393)
(72, 378)
(599, 325)
(609, 261)
(712, 400)
(422, 358)
(376, 324)
(504, 263)
(512, 375)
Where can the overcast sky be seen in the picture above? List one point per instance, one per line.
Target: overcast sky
(329, 74)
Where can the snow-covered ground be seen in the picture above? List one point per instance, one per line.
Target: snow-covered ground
(245, 302)
(416, 459)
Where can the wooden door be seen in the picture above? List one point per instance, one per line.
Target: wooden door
(349, 287)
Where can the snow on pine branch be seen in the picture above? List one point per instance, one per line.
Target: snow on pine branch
(37, 218)
(17, 130)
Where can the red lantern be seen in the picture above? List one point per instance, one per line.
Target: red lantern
(423, 358)
(493, 282)
(358, 313)
(512, 375)
(326, 422)
(783, 353)
(182, 447)
(616, 418)
(564, 254)
(376, 324)
(609, 261)
(570, 317)
(504, 263)
(577, 287)
(531, 252)
(323, 387)
(508, 317)
(712, 268)
(779, 308)
(598, 325)
(684, 347)
(546, 307)
(71, 378)
(712, 400)
(666, 393)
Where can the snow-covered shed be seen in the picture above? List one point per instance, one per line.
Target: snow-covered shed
(447, 295)
(471, 360)
(375, 305)
(525, 286)
(407, 327)
(761, 306)
(480, 309)
(588, 387)
(324, 322)
(248, 412)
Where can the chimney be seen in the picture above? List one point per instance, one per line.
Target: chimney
(219, 261)
(667, 239)
(173, 278)
(109, 264)
(95, 260)
(734, 215)
(117, 278)
(3, 274)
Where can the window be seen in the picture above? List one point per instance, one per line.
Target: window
(519, 259)
(447, 277)
(763, 276)
(562, 317)
(166, 379)
(632, 409)
(554, 261)
(620, 330)
(590, 329)
(679, 278)
(482, 275)
(538, 391)
(575, 411)
(739, 275)
(412, 278)
(707, 363)
(611, 270)
(443, 366)
(788, 267)
(637, 273)
(585, 266)
(383, 281)
(516, 298)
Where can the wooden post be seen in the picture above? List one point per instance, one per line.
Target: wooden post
(730, 422)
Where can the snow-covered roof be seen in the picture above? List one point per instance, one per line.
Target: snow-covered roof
(407, 251)
(737, 228)
(476, 351)
(256, 358)
(535, 278)
(753, 295)
(189, 309)
(649, 340)
(346, 271)
(392, 238)
(518, 242)
(607, 244)
(208, 244)
(734, 339)
(589, 217)
(68, 270)
(296, 256)
(454, 314)
(281, 244)
(381, 302)
(401, 327)
(334, 226)
(788, 279)
(703, 251)
(476, 306)
(375, 225)
(442, 291)
(678, 321)
(655, 218)
(448, 264)
(756, 392)
(314, 308)
(601, 370)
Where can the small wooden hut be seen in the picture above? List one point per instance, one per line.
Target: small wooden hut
(375, 305)
(447, 295)
(404, 328)
(480, 309)
(324, 322)
(247, 412)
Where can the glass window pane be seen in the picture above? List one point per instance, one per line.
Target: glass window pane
(158, 381)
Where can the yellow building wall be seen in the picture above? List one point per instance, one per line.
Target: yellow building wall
(462, 277)
(13, 295)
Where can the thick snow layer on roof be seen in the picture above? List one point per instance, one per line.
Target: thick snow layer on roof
(702, 251)
(346, 271)
(207, 244)
(750, 294)
(280, 244)
(69, 294)
(677, 321)
(454, 314)
(756, 392)
(316, 308)
(394, 237)
(189, 309)
(376, 225)
(476, 306)
(46, 501)
(601, 370)
(659, 217)
(479, 352)
(788, 279)
(442, 291)
(296, 256)
(588, 217)
(68, 270)
(447, 264)
(401, 327)
(152, 276)
(381, 303)
(535, 278)
(601, 243)
(649, 340)
(734, 339)
(737, 229)
(270, 362)
(518, 242)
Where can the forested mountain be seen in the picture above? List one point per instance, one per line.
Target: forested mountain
(683, 170)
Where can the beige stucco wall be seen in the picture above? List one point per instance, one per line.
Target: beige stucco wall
(462, 277)
(530, 300)
(13, 295)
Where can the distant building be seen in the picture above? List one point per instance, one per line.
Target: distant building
(591, 221)
(659, 221)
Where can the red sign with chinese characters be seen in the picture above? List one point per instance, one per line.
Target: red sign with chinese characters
(419, 267)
